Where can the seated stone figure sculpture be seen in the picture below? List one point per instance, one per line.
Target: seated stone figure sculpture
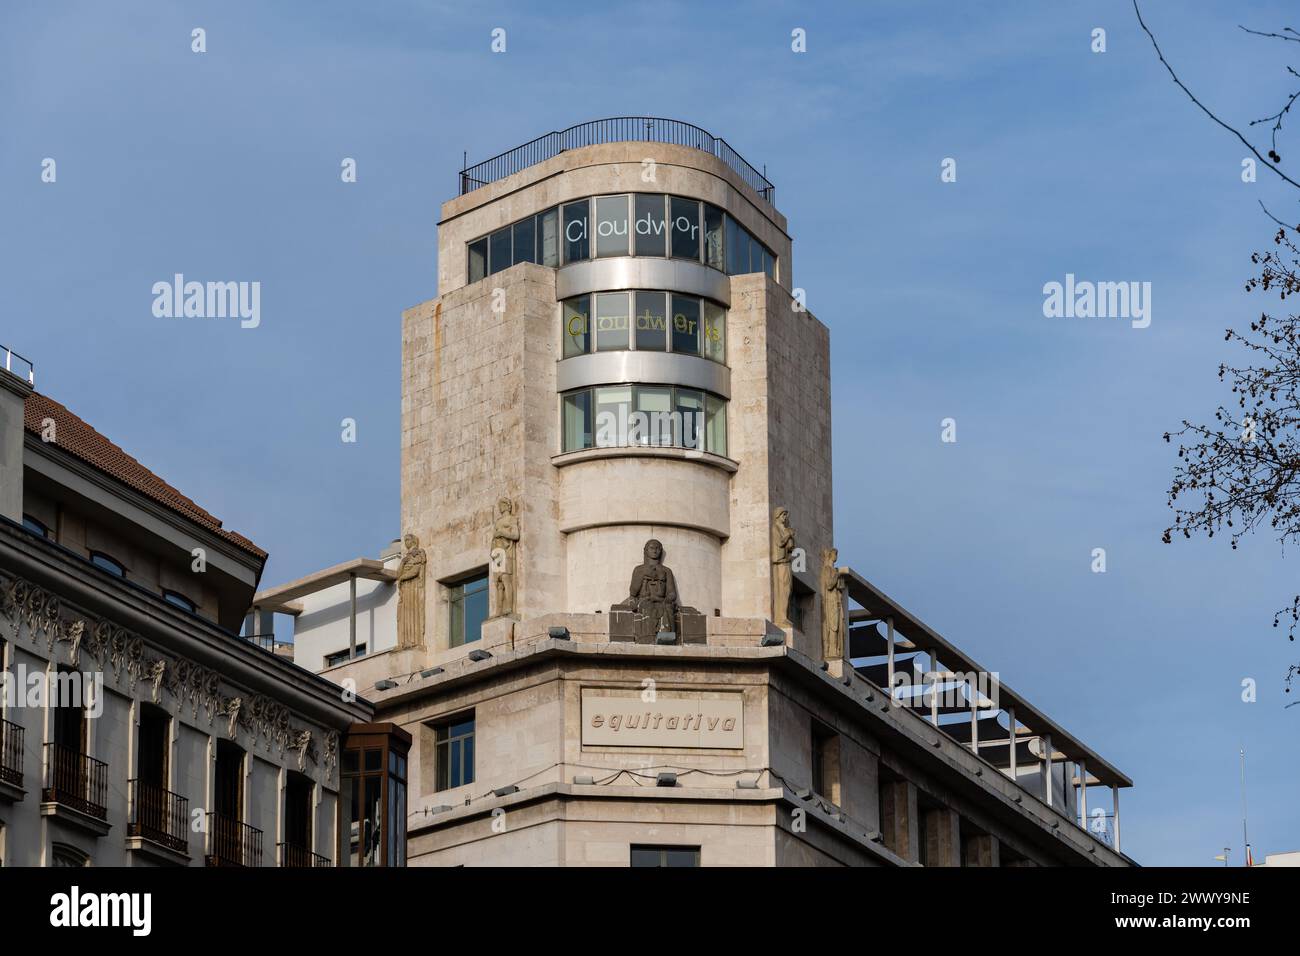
(651, 608)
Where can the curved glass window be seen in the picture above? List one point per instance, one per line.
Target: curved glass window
(632, 224)
(611, 227)
(628, 416)
(644, 321)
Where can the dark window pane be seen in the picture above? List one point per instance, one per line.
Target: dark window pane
(111, 565)
(612, 320)
(651, 323)
(690, 418)
(478, 252)
(499, 251)
(713, 237)
(651, 229)
(645, 856)
(548, 238)
(686, 229)
(576, 243)
(737, 247)
(576, 326)
(180, 601)
(686, 325)
(681, 857)
(476, 612)
(36, 526)
(374, 760)
(611, 226)
(525, 245)
(577, 421)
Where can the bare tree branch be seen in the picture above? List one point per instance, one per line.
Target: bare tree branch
(1203, 108)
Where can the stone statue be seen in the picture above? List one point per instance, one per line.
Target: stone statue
(832, 587)
(653, 591)
(410, 594)
(782, 576)
(505, 540)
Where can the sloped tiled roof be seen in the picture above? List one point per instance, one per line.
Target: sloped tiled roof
(79, 439)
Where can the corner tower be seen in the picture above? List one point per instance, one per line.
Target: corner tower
(580, 285)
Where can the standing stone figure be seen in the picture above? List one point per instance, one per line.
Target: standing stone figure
(410, 594)
(505, 538)
(653, 591)
(782, 577)
(832, 585)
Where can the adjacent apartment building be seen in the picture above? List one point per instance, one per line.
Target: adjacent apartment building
(615, 627)
(138, 726)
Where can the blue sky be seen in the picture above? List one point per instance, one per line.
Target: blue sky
(225, 165)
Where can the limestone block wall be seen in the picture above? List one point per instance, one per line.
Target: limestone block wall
(480, 421)
(779, 432)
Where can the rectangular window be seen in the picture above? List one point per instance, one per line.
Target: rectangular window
(577, 421)
(737, 247)
(454, 751)
(297, 817)
(690, 418)
(499, 251)
(548, 238)
(478, 253)
(612, 321)
(715, 425)
(713, 237)
(577, 246)
(651, 324)
(469, 609)
(714, 332)
(612, 407)
(651, 229)
(685, 228)
(340, 657)
(611, 226)
(686, 325)
(577, 339)
(643, 855)
(525, 241)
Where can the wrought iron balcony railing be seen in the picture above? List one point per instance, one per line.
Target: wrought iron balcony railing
(617, 129)
(299, 857)
(76, 780)
(232, 842)
(11, 753)
(159, 815)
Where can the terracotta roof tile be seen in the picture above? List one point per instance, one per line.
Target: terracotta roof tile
(79, 439)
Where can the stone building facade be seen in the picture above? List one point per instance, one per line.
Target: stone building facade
(619, 714)
(138, 728)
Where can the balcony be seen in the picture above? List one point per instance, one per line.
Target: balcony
(232, 842)
(159, 819)
(298, 857)
(76, 788)
(11, 760)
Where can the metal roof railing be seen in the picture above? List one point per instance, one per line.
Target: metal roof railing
(616, 129)
(25, 368)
